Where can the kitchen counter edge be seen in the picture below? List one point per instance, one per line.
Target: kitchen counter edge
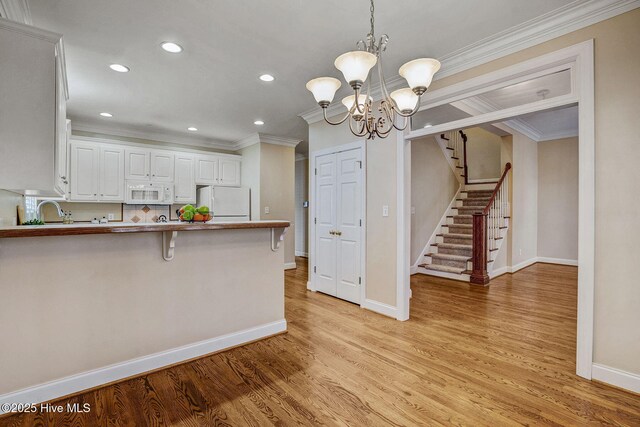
(72, 230)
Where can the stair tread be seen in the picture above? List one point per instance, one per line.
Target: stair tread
(449, 257)
(442, 268)
(460, 216)
(459, 225)
(453, 246)
(457, 236)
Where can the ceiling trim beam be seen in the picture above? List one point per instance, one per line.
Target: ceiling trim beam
(572, 17)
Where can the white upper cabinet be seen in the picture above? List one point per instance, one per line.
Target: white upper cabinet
(206, 170)
(33, 97)
(162, 166)
(111, 178)
(137, 164)
(229, 172)
(185, 182)
(84, 172)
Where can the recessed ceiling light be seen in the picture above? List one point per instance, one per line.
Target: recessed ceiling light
(119, 68)
(106, 114)
(258, 122)
(171, 47)
(267, 78)
(192, 129)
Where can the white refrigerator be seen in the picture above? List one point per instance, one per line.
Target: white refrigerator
(229, 204)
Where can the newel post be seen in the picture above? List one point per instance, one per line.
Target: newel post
(479, 275)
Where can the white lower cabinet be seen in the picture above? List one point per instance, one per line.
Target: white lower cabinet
(84, 172)
(184, 182)
(111, 175)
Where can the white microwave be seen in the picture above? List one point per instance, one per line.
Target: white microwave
(148, 193)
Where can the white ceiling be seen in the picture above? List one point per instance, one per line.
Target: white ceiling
(214, 84)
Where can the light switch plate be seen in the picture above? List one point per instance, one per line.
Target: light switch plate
(385, 210)
(111, 217)
(266, 209)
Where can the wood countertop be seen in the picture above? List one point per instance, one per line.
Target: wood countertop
(79, 229)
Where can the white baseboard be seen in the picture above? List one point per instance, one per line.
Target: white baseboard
(302, 254)
(413, 270)
(484, 181)
(86, 380)
(500, 271)
(310, 286)
(523, 264)
(290, 266)
(616, 377)
(378, 307)
(573, 262)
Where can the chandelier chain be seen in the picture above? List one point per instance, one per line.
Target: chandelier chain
(372, 9)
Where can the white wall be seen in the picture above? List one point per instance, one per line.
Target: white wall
(558, 199)
(433, 186)
(302, 213)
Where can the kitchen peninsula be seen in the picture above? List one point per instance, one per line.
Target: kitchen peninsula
(92, 304)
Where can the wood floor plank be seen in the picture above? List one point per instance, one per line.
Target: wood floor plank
(502, 355)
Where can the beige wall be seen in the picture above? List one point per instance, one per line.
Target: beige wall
(524, 213)
(250, 176)
(8, 207)
(96, 300)
(381, 265)
(277, 190)
(558, 199)
(302, 213)
(483, 154)
(433, 186)
(617, 97)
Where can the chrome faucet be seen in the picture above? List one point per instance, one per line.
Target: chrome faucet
(44, 202)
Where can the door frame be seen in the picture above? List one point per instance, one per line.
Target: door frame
(580, 57)
(360, 144)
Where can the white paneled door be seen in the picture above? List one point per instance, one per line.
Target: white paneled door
(338, 224)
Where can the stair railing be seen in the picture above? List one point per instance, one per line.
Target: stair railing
(457, 143)
(487, 229)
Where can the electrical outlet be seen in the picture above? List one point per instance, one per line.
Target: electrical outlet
(413, 210)
(520, 251)
(266, 209)
(385, 210)
(111, 217)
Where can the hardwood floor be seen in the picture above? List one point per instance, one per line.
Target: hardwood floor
(503, 355)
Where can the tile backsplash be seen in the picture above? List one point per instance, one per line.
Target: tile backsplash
(144, 213)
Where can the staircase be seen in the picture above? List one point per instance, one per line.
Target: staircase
(451, 251)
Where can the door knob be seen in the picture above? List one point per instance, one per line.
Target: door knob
(338, 233)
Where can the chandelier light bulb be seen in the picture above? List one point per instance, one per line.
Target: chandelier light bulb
(355, 66)
(324, 89)
(405, 99)
(419, 73)
(350, 100)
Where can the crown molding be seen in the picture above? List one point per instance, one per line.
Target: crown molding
(559, 135)
(16, 10)
(257, 138)
(300, 157)
(569, 18)
(124, 132)
(28, 30)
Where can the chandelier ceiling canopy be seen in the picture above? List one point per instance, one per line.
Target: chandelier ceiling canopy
(356, 66)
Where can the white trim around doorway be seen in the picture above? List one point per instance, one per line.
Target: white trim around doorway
(579, 58)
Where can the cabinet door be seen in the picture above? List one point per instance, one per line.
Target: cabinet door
(162, 166)
(111, 178)
(206, 170)
(84, 172)
(136, 164)
(184, 183)
(229, 172)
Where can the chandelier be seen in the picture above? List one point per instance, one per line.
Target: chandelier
(355, 67)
